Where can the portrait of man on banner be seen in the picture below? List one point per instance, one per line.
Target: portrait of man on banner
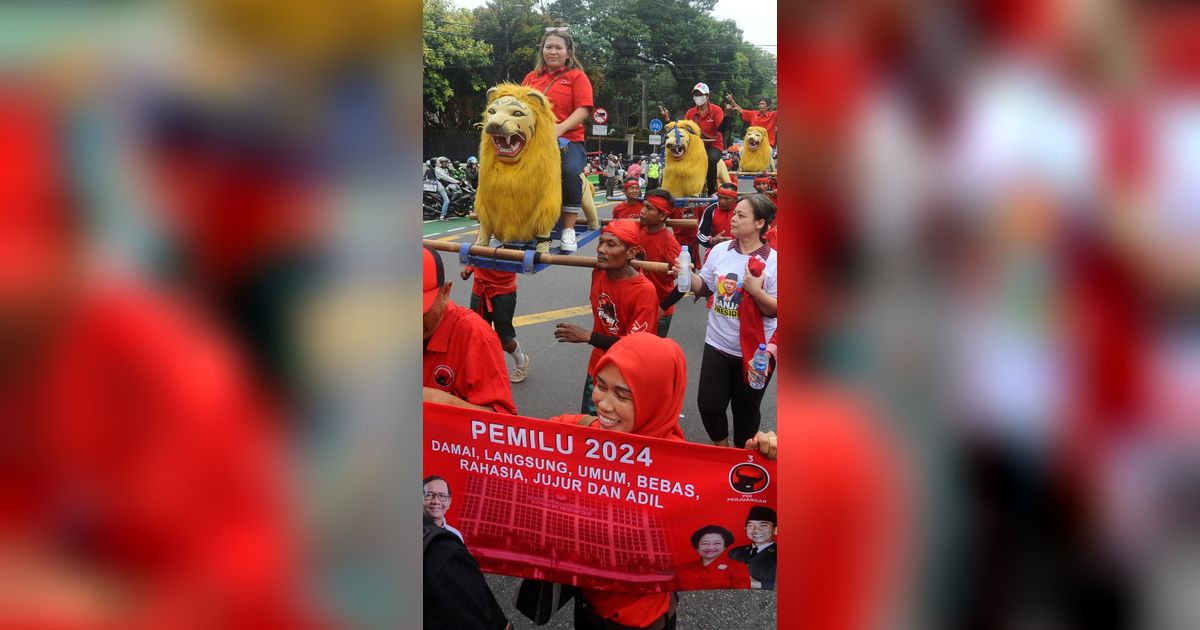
(760, 554)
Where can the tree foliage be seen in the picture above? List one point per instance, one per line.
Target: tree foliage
(452, 60)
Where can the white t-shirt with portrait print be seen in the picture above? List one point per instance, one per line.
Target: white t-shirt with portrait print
(722, 273)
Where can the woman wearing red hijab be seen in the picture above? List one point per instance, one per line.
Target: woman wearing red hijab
(640, 383)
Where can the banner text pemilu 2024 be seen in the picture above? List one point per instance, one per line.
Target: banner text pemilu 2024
(602, 509)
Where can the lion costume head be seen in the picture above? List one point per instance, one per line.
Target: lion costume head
(756, 152)
(520, 169)
(687, 161)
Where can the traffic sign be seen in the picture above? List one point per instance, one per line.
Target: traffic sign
(654, 139)
(656, 125)
(600, 115)
(599, 130)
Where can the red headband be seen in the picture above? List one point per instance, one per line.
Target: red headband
(629, 232)
(725, 192)
(658, 202)
(762, 180)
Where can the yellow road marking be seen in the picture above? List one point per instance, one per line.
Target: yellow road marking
(455, 237)
(545, 316)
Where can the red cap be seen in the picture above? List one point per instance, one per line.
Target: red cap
(434, 278)
(629, 232)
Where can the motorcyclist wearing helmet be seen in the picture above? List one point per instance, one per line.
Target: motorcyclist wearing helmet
(444, 178)
(472, 174)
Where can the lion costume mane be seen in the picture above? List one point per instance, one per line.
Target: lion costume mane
(756, 152)
(687, 161)
(520, 169)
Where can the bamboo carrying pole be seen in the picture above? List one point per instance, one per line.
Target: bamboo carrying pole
(539, 259)
(670, 222)
(770, 173)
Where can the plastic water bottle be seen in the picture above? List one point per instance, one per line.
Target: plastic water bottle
(684, 282)
(758, 367)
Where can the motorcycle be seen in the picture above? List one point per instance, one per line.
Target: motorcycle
(462, 199)
(431, 200)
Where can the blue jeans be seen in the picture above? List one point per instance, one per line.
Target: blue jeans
(574, 157)
(445, 200)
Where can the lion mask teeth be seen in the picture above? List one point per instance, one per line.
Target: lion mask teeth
(509, 145)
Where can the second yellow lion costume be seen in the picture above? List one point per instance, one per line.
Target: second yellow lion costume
(756, 152)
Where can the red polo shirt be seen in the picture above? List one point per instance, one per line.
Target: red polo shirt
(661, 246)
(568, 90)
(709, 124)
(620, 307)
(767, 121)
(464, 358)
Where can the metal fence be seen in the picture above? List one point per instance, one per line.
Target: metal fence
(458, 144)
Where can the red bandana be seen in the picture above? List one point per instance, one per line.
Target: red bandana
(628, 231)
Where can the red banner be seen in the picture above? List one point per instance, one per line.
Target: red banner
(600, 509)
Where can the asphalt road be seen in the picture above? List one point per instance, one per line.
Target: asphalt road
(555, 386)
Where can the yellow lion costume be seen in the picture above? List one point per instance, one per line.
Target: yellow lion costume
(756, 152)
(687, 161)
(520, 169)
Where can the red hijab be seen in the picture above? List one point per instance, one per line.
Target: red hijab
(656, 373)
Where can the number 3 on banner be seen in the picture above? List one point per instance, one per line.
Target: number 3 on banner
(617, 453)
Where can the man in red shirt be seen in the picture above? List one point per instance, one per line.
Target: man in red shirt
(623, 300)
(494, 297)
(660, 246)
(758, 118)
(463, 363)
(709, 117)
(714, 223)
(631, 208)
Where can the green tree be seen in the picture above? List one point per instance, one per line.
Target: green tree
(512, 28)
(452, 61)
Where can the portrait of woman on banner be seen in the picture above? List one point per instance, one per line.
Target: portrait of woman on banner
(713, 569)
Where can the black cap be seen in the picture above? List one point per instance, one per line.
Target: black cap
(760, 513)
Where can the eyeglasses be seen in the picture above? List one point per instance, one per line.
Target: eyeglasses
(429, 496)
(558, 29)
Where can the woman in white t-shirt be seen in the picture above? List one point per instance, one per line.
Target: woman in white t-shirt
(726, 276)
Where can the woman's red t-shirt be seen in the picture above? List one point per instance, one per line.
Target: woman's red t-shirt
(568, 90)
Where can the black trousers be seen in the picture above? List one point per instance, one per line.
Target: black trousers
(710, 179)
(722, 386)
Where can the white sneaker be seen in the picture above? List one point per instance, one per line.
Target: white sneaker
(568, 240)
(518, 375)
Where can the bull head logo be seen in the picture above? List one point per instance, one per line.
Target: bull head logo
(749, 478)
